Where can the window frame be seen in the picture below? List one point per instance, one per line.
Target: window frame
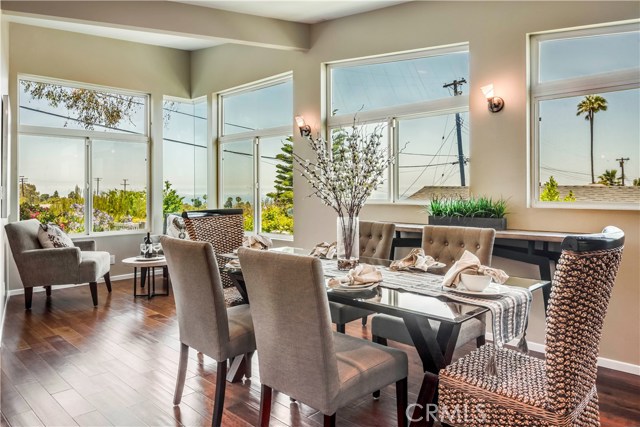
(566, 88)
(392, 115)
(89, 137)
(254, 136)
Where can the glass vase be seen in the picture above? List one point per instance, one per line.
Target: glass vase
(348, 242)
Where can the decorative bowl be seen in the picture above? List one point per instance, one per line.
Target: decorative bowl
(475, 282)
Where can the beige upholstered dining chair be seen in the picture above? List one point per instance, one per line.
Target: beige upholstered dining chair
(561, 389)
(375, 242)
(48, 267)
(299, 354)
(224, 229)
(446, 245)
(204, 321)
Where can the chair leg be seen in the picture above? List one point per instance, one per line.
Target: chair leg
(28, 297)
(94, 292)
(330, 420)
(182, 373)
(379, 340)
(221, 377)
(402, 400)
(340, 327)
(265, 405)
(376, 394)
(480, 341)
(247, 364)
(364, 321)
(107, 281)
(48, 290)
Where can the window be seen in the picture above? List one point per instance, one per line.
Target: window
(256, 163)
(184, 155)
(420, 99)
(77, 141)
(585, 92)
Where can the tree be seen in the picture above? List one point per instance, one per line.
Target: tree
(92, 107)
(29, 194)
(171, 201)
(636, 182)
(609, 178)
(589, 106)
(283, 181)
(551, 193)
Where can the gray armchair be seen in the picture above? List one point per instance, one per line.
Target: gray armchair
(56, 266)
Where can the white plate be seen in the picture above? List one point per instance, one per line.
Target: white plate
(155, 258)
(367, 287)
(492, 291)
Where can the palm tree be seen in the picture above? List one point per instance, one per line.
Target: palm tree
(589, 106)
(609, 177)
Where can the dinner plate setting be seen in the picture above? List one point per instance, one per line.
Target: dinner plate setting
(494, 290)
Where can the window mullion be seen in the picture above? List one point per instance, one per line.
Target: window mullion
(257, 209)
(88, 190)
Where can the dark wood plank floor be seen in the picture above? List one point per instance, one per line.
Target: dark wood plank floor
(65, 363)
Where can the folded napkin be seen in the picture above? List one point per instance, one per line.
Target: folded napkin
(234, 263)
(257, 241)
(324, 250)
(416, 259)
(470, 264)
(361, 275)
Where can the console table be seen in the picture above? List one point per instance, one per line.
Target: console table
(532, 253)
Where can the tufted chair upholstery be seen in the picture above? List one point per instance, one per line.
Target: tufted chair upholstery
(376, 239)
(560, 390)
(445, 244)
(375, 242)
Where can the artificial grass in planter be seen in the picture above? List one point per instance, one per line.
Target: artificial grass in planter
(472, 212)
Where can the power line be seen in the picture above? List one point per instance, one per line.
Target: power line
(124, 183)
(23, 179)
(621, 160)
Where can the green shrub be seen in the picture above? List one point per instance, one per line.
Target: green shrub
(479, 207)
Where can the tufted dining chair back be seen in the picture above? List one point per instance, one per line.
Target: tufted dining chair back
(447, 244)
(376, 239)
(582, 285)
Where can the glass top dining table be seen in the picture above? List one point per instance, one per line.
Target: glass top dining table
(435, 345)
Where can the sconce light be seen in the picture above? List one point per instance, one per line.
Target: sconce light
(495, 102)
(305, 129)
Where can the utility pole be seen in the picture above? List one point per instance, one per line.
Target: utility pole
(621, 160)
(457, 92)
(22, 181)
(97, 185)
(124, 183)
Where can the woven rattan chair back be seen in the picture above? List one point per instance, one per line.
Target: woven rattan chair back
(582, 286)
(224, 232)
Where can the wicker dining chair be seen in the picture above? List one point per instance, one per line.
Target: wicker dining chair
(224, 229)
(559, 391)
(446, 245)
(375, 242)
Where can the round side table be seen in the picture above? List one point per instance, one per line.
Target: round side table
(147, 273)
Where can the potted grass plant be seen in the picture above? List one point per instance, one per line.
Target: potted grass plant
(471, 212)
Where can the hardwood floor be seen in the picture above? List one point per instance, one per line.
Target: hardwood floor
(65, 363)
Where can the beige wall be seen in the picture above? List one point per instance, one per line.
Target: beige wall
(496, 32)
(63, 55)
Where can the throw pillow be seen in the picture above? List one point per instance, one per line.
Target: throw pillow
(51, 236)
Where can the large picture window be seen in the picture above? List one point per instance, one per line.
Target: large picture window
(184, 155)
(420, 101)
(256, 163)
(585, 87)
(82, 149)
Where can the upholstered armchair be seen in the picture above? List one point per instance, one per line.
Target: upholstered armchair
(56, 266)
(375, 242)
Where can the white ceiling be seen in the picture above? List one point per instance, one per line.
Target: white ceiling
(306, 11)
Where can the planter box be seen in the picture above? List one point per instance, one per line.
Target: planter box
(460, 221)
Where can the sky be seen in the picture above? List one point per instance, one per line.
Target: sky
(430, 156)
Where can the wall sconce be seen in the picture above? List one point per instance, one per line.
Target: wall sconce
(495, 102)
(305, 129)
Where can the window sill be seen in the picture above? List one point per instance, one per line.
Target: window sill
(600, 206)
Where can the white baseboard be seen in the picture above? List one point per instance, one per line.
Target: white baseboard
(616, 365)
(41, 288)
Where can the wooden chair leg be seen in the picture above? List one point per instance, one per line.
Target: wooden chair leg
(402, 400)
(340, 327)
(94, 292)
(364, 321)
(376, 394)
(379, 340)
(182, 373)
(247, 367)
(107, 281)
(28, 297)
(47, 290)
(265, 405)
(330, 420)
(221, 377)
(480, 341)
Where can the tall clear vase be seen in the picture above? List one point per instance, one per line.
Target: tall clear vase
(348, 245)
